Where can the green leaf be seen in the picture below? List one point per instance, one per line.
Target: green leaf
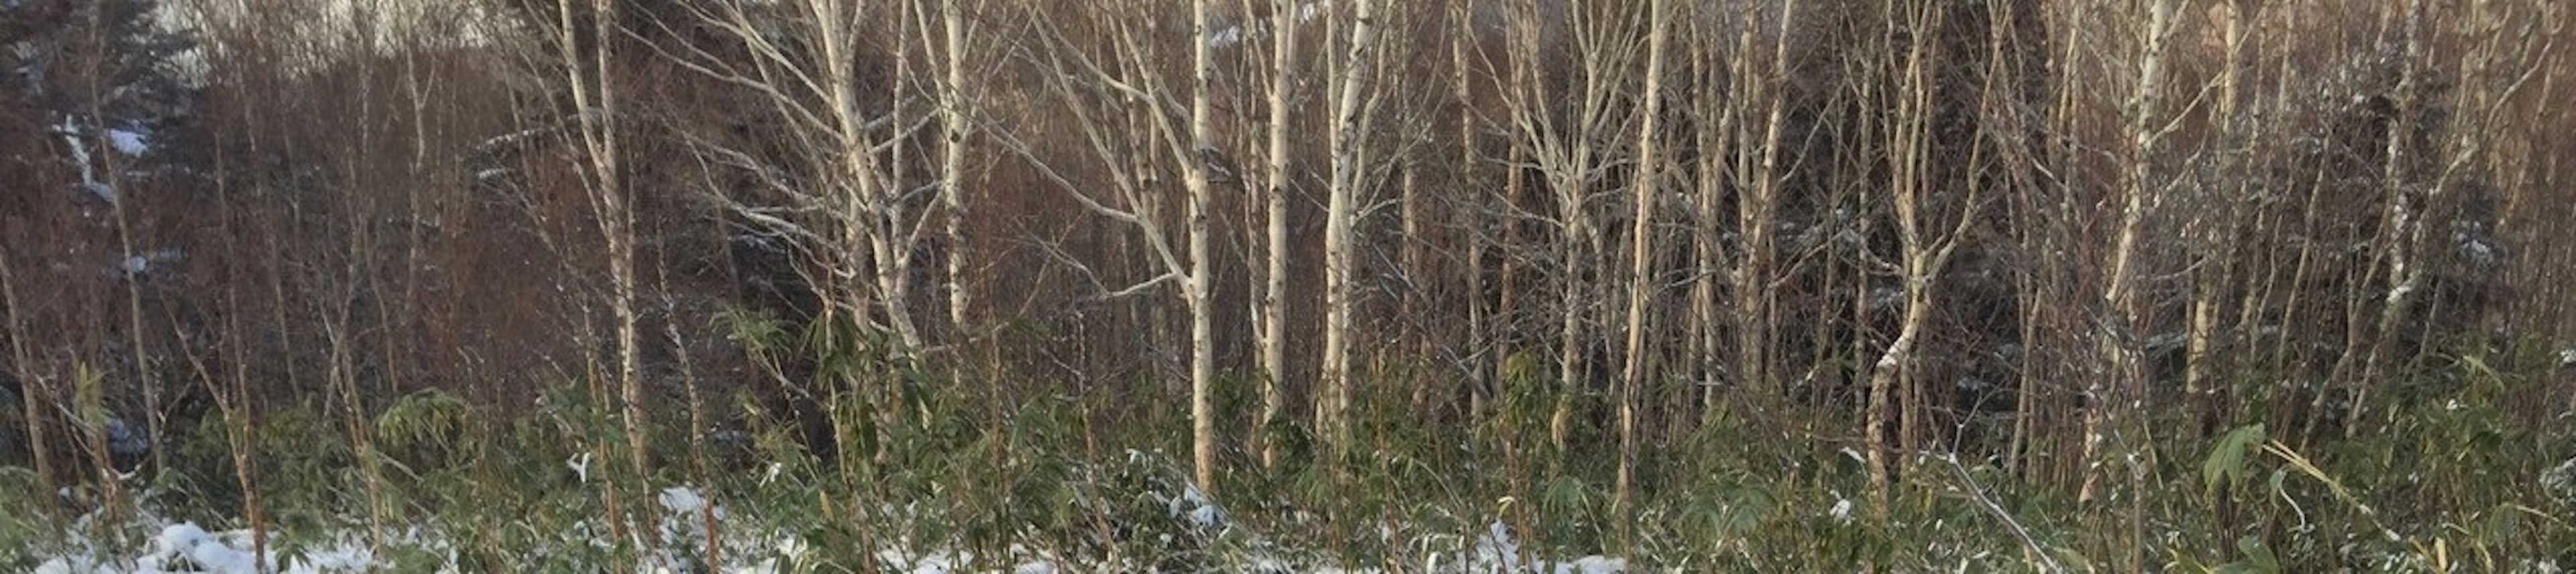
(1751, 506)
(2258, 558)
(2226, 463)
(89, 396)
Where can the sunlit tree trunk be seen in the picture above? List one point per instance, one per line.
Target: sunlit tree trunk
(2403, 229)
(594, 99)
(1197, 288)
(1895, 401)
(1341, 263)
(1479, 311)
(955, 118)
(1757, 207)
(2215, 271)
(1641, 252)
(1273, 312)
(2114, 439)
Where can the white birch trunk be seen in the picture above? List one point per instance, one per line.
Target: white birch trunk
(1340, 256)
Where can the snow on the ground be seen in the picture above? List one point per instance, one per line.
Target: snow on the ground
(1842, 510)
(71, 134)
(186, 547)
(944, 562)
(137, 265)
(175, 547)
(130, 143)
(1194, 506)
(682, 500)
(1496, 551)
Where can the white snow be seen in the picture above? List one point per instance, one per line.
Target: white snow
(1194, 506)
(130, 143)
(682, 500)
(71, 133)
(104, 193)
(580, 465)
(135, 265)
(1021, 558)
(1496, 551)
(1497, 547)
(750, 546)
(2560, 481)
(186, 547)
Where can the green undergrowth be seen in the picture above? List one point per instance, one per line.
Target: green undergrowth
(1097, 481)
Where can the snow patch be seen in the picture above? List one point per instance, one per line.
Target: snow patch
(2559, 482)
(682, 500)
(128, 142)
(137, 265)
(186, 547)
(126, 441)
(1195, 507)
(71, 134)
(1496, 551)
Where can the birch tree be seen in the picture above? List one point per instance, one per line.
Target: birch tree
(1563, 133)
(1732, 156)
(592, 88)
(1195, 169)
(837, 192)
(2120, 390)
(1122, 77)
(1285, 18)
(1342, 204)
(2225, 187)
(1913, 35)
(953, 119)
(1641, 251)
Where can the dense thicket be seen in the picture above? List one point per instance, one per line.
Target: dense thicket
(2073, 244)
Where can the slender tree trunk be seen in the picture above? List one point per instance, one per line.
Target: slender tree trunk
(1713, 140)
(1641, 251)
(1340, 255)
(1479, 313)
(1757, 211)
(1197, 286)
(595, 100)
(1894, 400)
(952, 159)
(2214, 277)
(1274, 298)
(32, 388)
(2404, 225)
(2123, 394)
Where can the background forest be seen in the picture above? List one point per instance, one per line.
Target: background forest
(1287, 285)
